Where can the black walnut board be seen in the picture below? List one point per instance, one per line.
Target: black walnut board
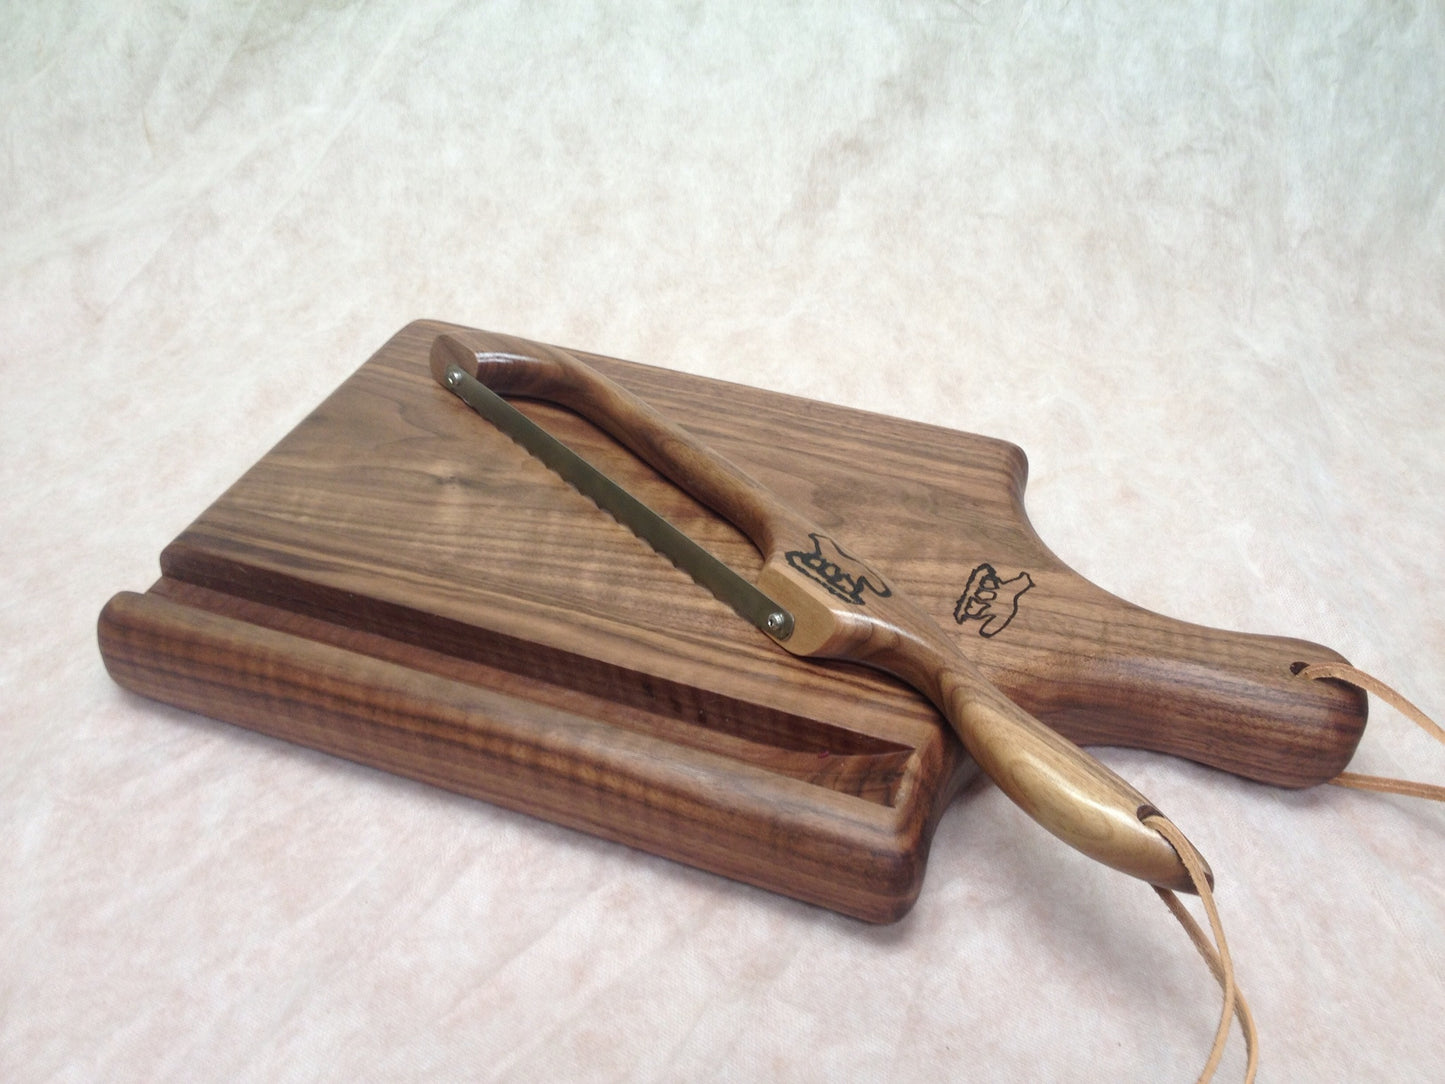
(397, 583)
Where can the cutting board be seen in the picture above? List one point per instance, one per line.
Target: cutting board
(397, 583)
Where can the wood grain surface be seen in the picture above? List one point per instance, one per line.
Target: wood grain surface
(399, 584)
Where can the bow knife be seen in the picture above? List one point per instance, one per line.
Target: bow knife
(813, 597)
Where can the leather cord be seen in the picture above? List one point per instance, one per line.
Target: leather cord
(1216, 953)
(1343, 671)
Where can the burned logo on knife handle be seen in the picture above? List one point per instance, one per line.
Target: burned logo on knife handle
(845, 577)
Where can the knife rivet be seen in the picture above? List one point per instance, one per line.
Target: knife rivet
(454, 377)
(774, 621)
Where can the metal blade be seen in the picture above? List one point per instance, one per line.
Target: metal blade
(725, 584)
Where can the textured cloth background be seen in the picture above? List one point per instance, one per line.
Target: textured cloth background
(1191, 257)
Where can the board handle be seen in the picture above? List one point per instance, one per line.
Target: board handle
(844, 609)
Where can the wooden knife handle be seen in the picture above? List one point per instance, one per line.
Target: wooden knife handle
(1066, 790)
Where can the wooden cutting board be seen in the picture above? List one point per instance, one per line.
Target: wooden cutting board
(397, 583)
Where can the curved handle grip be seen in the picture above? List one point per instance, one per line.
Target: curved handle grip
(512, 366)
(1065, 789)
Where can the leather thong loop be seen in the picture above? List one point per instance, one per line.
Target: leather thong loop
(1343, 671)
(1216, 953)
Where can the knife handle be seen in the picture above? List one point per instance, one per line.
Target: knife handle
(1065, 789)
(1061, 786)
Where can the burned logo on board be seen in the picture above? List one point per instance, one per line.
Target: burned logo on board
(990, 599)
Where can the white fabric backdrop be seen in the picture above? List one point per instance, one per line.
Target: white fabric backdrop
(1191, 259)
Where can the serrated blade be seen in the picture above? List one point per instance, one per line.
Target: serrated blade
(726, 585)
